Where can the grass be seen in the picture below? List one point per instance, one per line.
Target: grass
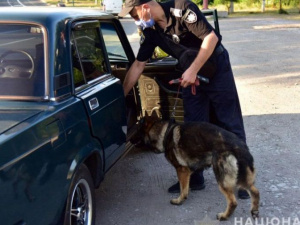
(76, 3)
(241, 9)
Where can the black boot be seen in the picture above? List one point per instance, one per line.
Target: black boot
(196, 183)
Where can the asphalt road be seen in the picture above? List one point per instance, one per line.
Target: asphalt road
(265, 59)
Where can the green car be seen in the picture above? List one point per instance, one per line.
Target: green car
(62, 113)
(64, 119)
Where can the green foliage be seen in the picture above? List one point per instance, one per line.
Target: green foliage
(78, 76)
(226, 2)
(198, 2)
(282, 11)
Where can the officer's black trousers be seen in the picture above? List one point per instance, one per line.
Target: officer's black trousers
(220, 95)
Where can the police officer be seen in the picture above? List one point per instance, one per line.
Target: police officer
(180, 29)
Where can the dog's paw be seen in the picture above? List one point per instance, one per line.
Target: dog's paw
(176, 201)
(221, 216)
(255, 214)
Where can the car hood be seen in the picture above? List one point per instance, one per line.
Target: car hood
(11, 118)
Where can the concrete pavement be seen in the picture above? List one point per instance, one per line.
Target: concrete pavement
(266, 64)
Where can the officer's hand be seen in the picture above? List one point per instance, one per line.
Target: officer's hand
(188, 78)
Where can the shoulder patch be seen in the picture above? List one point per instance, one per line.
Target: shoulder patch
(176, 12)
(190, 16)
(142, 38)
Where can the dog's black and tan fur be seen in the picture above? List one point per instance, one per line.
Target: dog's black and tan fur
(191, 146)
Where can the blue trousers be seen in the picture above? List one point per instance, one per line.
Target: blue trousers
(218, 98)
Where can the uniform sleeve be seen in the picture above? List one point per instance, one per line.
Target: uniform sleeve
(195, 21)
(147, 47)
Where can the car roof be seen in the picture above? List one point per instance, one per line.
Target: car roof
(46, 15)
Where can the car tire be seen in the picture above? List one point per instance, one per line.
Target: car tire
(80, 207)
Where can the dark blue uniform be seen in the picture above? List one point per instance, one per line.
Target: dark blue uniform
(186, 29)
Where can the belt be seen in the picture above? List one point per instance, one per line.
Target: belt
(218, 50)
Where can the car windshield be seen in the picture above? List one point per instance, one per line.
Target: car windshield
(21, 61)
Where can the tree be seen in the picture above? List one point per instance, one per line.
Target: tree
(228, 3)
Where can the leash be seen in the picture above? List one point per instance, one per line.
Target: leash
(199, 78)
(178, 81)
(172, 122)
(193, 86)
(197, 82)
(175, 104)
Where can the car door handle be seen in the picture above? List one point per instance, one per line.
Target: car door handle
(93, 103)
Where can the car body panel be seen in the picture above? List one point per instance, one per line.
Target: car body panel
(11, 118)
(45, 139)
(104, 101)
(40, 157)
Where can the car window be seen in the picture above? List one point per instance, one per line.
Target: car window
(22, 72)
(87, 55)
(115, 50)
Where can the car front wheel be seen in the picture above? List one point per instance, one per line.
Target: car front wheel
(80, 204)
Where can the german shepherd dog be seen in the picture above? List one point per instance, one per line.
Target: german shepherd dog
(198, 145)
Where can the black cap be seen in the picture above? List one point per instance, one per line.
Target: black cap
(129, 4)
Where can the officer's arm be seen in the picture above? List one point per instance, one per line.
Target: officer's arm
(208, 45)
(133, 75)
